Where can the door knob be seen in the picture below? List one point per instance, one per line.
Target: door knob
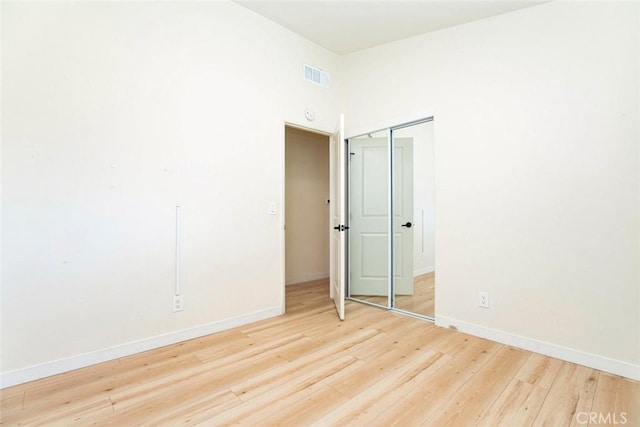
(408, 225)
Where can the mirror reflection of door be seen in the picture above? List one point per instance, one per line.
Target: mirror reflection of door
(412, 189)
(403, 217)
(368, 218)
(421, 269)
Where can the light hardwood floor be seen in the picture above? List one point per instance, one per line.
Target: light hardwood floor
(421, 302)
(308, 368)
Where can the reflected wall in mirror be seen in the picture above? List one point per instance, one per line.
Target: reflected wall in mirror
(413, 225)
(369, 218)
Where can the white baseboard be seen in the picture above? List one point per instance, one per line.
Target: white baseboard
(19, 376)
(308, 278)
(423, 270)
(613, 366)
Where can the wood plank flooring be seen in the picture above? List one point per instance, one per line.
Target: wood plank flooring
(421, 302)
(306, 368)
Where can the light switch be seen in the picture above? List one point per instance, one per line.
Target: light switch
(272, 208)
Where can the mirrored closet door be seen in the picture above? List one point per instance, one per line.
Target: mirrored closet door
(391, 218)
(413, 225)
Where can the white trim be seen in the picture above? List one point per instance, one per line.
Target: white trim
(177, 268)
(423, 270)
(391, 273)
(602, 363)
(293, 124)
(308, 278)
(283, 217)
(19, 376)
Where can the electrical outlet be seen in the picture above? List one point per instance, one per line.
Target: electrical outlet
(178, 303)
(483, 299)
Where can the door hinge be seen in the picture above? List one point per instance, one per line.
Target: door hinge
(341, 227)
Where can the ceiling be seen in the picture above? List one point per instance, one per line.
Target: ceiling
(348, 26)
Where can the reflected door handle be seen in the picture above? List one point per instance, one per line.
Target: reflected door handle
(408, 225)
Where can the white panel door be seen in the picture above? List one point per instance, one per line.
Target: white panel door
(337, 237)
(369, 213)
(403, 223)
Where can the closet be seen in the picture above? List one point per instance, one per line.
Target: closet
(391, 218)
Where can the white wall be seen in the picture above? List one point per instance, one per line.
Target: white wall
(537, 168)
(307, 214)
(113, 114)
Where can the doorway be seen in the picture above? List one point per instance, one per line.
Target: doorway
(306, 210)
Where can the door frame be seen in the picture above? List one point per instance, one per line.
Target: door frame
(283, 264)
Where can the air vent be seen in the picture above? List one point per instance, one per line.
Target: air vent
(316, 75)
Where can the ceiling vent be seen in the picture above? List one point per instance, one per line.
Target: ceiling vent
(316, 75)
